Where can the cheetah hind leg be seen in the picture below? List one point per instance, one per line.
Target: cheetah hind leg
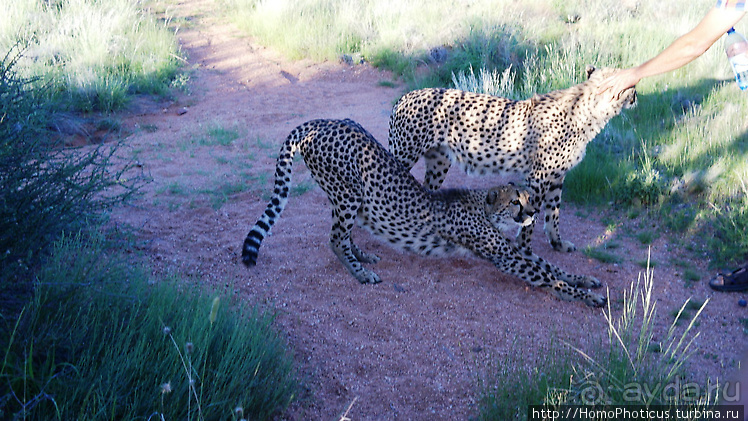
(363, 256)
(341, 245)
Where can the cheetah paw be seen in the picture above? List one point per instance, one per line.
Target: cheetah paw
(595, 300)
(368, 258)
(564, 246)
(590, 282)
(368, 277)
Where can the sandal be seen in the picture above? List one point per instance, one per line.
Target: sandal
(735, 281)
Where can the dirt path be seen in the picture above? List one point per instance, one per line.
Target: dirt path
(410, 348)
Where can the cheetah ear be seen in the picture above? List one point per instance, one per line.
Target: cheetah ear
(495, 195)
(590, 69)
(492, 197)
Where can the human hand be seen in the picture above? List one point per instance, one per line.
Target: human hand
(619, 82)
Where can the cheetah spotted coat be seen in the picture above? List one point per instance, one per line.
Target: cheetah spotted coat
(541, 138)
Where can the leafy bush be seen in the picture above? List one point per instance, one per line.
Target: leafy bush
(46, 189)
(100, 340)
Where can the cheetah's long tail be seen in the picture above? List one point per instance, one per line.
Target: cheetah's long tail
(279, 199)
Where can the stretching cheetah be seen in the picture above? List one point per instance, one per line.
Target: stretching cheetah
(364, 181)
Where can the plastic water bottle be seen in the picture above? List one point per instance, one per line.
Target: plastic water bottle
(736, 48)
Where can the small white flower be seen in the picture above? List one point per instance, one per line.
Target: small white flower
(166, 388)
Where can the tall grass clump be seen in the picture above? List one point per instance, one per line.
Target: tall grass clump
(102, 340)
(730, 225)
(93, 54)
(46, 190)
(516, 384)
(633, 368)
(635, 359)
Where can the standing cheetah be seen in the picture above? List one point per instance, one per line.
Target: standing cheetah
(541, 138)
(364, 181)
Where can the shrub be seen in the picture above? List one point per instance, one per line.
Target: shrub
(46, 189)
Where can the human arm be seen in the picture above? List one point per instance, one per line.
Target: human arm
(681, 52)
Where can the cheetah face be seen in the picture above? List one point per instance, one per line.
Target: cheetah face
(522, 208)
(509, 208)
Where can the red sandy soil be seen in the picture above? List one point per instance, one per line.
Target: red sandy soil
(416, 345)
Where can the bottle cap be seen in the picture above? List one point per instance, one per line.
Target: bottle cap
(731, 30)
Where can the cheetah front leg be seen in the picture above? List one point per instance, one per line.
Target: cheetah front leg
(437, 165)
(550, 226)
(583, 281)
(534, 270)
(567, 292)
(348, 253)
(541, 274)
(363, 256)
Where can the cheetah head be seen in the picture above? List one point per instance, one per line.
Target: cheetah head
(508, 207)
(602, 102)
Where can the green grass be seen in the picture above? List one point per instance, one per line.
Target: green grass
(601, 254)
(684, 314)
(646, 237)
(302, 187)
(101, 339)
(93, 55)
(401, 36)
(630, 368)
(507, 393)
(221, 194)
(691, 276)
(218, 135)
(647, 263)
(216, 190)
